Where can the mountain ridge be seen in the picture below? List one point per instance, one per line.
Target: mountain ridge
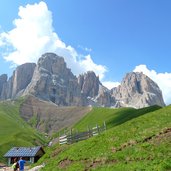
(51, 80)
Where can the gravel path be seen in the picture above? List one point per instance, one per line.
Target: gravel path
(37, 168)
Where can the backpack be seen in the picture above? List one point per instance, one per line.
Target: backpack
(17, 165)
(14, 165)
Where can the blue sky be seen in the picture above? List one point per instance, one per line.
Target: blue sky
(110, 37)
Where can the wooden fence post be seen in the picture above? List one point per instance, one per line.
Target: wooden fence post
(104, 125)
(89, 132)
(97, 129)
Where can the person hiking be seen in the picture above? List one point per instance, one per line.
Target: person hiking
(21, 164)
(15, 166)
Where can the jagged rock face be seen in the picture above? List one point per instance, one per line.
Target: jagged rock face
(3, 81)
(53, 81)
(18, 82)
(7, 89)
(22, 77)
(89, 84)
(104, 97)
(137, 90)
(93, 90)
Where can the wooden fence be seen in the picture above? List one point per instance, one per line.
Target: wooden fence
(72, 137)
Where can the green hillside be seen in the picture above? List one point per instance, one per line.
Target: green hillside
(112, 117)
(134, 144)
(13, 130)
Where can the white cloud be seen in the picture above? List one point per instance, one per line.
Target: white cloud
(89, 65)
(1, 42)
(85, 48)
(110, 84)
(162, 79)
(33, 35)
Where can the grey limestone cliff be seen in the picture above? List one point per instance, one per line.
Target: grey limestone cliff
(51, 80)
(18, 82)
(22, 77)
(137, 90)
(93, 90)
(89, 84)
(3, 82)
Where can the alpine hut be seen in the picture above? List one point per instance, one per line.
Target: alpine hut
(30, 154)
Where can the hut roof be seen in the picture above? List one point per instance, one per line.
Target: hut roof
(23, 151)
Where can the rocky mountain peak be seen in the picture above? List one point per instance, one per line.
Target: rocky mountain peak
(17, 82)
(52, 63)
(22, 77)
(89, 84)
(51, 80)
(3, 81)
(138, 90)
(93, 90)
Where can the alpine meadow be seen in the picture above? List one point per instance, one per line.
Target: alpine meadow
(85, 85)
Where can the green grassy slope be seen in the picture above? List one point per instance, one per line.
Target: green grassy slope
(13, 130)
(112, 117)
(142, 143)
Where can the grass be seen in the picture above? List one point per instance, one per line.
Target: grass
(112, 117)
(14, 131)
(132, 143)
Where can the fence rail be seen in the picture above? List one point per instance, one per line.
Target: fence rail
(79, 136)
